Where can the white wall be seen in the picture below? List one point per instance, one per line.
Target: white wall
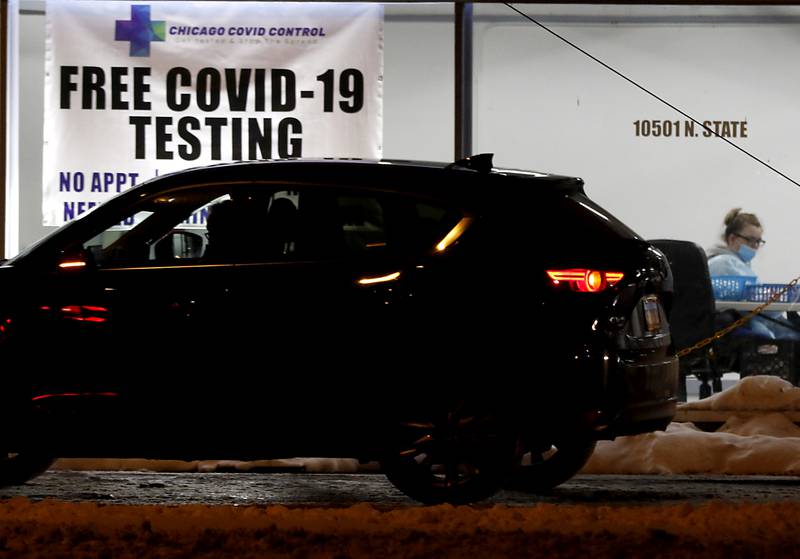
(418, 107)
(541, 105)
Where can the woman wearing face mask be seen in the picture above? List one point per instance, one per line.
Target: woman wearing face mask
(743, 238)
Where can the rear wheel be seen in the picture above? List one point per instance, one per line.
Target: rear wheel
(16, 469)
(550, 467)
(457, 456)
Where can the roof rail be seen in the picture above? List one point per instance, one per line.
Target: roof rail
(481, 163)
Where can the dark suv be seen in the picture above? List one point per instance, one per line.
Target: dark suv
(452, 321)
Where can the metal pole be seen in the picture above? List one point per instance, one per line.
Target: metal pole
(4, 34)
(463, 80)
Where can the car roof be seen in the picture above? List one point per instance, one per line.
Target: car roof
(424, 178)
(471, 182)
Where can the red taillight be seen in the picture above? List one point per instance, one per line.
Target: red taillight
(594, 280)
(581, 279)
(83, 313)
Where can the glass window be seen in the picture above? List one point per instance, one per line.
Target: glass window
(362, 223)
(418, 226)
(216, 226)
(168, 229)
(98, 244)
(375, 224)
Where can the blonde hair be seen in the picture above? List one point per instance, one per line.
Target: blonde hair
(736, 220)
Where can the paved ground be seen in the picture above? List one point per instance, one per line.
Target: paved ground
(349, 489)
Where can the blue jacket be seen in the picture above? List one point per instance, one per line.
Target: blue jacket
(722, 261)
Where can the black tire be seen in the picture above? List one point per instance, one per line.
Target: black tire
(551, 468)
(16, 469)
(21, 461)
(459, 456)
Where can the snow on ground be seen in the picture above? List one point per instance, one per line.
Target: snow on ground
(766, 443)
(756, 393)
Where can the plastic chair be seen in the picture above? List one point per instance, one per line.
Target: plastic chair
(692, 314)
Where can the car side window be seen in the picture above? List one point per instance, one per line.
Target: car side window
(277, 226)
(218, 225)
(164, 230)
(433, 223)
(362, 223)
(418, 226)
(305, 224)
(100, 243)
(373, 224)
(309, 224)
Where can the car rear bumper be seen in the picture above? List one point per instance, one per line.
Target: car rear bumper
(645, 397)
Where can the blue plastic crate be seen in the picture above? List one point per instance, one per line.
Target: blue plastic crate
(762, 292)
(731, 288)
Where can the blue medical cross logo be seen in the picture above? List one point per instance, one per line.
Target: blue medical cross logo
(140, 31)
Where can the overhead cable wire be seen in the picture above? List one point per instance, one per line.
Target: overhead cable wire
(664, 101)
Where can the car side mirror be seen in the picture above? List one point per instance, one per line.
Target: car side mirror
(179, 245)
(74, 258)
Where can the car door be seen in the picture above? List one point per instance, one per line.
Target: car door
(307, 322)
(327, 315)
(126, 318)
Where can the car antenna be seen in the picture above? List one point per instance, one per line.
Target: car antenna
(481, 162)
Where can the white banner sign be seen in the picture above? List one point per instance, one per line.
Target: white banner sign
(134, 90)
